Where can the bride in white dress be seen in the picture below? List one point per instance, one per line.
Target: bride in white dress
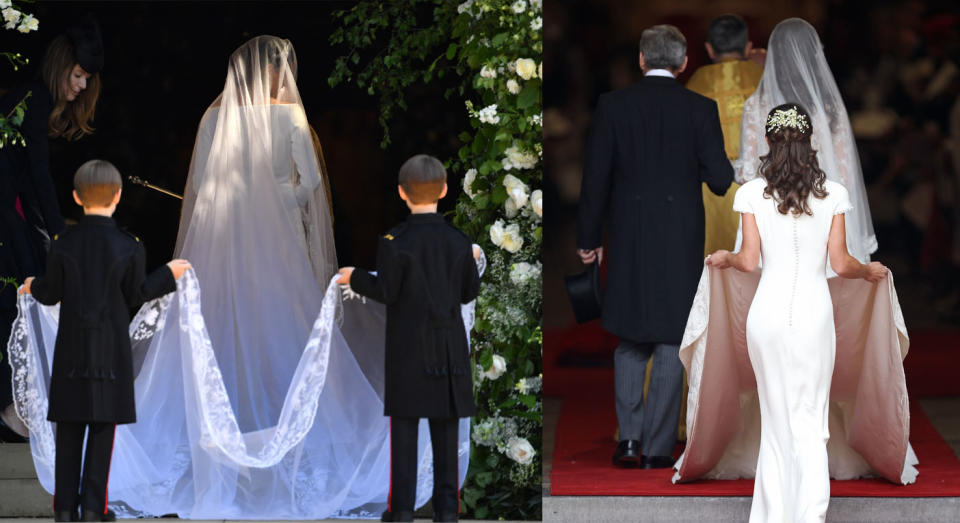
(794, 217)
(268, 404)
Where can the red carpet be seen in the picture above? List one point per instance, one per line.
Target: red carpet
(584, 444)
(930, 368)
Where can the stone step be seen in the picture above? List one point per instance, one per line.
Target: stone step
(20, 493)
(24, 498)
(682, 509)
(16, 461)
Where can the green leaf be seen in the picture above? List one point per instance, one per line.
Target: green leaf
(528, 96)
(529, 400)
(481, 201)
(481, 512)
(499, 194)
(499, 39)
(452, 51)
(465, 137)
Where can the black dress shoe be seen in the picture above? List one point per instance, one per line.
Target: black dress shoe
(657, 462)
(397, 516)
(446, 516)
(627, 453)
(66, 515)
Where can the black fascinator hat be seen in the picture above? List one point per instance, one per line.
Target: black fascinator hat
(585, 291)
(87, 43)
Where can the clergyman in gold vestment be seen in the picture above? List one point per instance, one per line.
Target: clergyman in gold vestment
(730, 80)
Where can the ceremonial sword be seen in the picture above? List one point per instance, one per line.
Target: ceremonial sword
(147, 184)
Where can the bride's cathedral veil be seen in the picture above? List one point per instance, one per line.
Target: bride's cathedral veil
(268, 405)
(796, 71)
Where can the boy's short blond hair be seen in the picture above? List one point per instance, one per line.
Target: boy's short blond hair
(422, 178)
(97, 182)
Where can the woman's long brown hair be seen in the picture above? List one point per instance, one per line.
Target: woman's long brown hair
(791, 168)
(68, 119)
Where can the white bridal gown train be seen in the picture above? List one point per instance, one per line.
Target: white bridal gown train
(263, 399)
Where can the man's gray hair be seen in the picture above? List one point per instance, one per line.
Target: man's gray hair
(663, 47)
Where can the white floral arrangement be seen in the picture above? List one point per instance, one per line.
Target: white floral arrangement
(788, 118)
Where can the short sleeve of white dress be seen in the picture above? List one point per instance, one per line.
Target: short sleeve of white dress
(841, 199)
(743, 200)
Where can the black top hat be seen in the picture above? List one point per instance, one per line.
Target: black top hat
(87, 43)
(586, 291)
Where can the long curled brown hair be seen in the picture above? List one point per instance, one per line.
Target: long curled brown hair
(791, 168)
(68, 119)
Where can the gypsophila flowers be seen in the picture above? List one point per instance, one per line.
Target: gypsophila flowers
(523, 272)
(530, 385)
(513, 86)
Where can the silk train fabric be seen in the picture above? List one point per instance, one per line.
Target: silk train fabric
(869, 418)
(326, 455)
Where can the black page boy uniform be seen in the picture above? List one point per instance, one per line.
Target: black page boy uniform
(425, 271)
(96, 271)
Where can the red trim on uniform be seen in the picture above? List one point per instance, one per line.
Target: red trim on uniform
(390, 491)
(457, 479)
(106, 487)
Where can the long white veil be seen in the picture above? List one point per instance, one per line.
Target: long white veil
(264, 399)
(796, 71)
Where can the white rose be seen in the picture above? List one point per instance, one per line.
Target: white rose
(512, 241)
(513, 86)
(519, 6)
(5, 4)
(526, 68)
(540, 70)
(468, 180)
(517, 159)
(29, 23)
(497, 369)
(510, 207)
(536, 23)
(497, 232)
(464, 6)
(517, 191)
(537, 4)
(520, 450)
(488, 72)
(11, 16)
(536, 201)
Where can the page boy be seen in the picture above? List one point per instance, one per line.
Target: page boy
(96, 271)
(425, 269)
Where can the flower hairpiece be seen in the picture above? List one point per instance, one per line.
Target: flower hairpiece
(787, 118)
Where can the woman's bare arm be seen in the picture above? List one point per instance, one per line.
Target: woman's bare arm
(842, 263)
(748, 257)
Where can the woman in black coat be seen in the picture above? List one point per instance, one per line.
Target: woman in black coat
(60, 103)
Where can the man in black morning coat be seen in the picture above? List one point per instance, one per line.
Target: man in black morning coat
(425, 271)
(650, 146)
(96, 272)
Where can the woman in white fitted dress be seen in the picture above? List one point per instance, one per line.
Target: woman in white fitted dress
(794, 217)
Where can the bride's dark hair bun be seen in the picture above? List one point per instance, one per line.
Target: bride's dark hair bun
(791, 167)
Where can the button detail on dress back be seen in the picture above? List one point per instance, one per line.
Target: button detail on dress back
(796, 271)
